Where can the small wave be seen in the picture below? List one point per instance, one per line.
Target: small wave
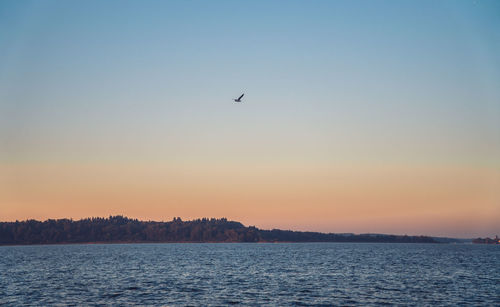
(133, 288)
(231, 302)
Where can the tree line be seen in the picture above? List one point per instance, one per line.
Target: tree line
(120, 229)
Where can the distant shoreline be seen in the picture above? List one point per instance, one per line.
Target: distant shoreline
(192, 242)
(122, 230)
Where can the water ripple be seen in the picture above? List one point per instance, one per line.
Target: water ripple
(309, 274)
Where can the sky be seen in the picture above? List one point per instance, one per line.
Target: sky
(358, 116)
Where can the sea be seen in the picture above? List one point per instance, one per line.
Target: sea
(275, 274)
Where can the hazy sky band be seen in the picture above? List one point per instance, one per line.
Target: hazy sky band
(356, 113)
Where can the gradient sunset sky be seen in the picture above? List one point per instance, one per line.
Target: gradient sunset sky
(358, 116)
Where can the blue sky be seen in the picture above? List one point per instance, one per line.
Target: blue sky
(430, 66)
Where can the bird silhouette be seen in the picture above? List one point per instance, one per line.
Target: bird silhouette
(239, 98)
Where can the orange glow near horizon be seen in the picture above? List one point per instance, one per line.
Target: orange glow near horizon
(396, 199)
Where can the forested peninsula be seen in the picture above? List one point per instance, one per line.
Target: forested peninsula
(119, 229)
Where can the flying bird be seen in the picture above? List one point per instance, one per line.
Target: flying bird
(239, 98)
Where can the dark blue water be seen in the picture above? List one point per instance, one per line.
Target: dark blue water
(250, 274)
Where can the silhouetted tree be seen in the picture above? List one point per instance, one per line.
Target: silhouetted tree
(122, 229)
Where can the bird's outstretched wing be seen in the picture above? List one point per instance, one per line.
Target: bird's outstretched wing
(241, 96)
